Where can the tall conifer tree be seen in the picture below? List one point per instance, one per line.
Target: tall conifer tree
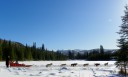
(122, 56)
(101, 49)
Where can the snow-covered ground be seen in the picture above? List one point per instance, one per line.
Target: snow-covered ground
(39, 69)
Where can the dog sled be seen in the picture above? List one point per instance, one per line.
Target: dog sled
(12, 64)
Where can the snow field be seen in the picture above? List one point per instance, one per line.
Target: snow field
(39, 69)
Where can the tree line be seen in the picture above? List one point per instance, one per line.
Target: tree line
(95, 54)
(18, 51)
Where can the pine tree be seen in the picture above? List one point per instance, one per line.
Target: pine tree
(12, 54)
(27, 53)
(78, 55)
(101, 55)
(34, 51)
(70, 54)
(122, 56)
(43, 48)
(101, 49)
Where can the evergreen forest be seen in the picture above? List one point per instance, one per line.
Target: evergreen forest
(18, 51)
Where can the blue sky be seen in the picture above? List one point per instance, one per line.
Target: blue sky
(62, 24)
